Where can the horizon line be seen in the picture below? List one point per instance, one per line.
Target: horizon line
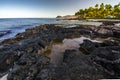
(27, 17)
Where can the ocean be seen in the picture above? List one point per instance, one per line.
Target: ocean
(9, 27)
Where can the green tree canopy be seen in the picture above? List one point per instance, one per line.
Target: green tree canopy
(100, 11)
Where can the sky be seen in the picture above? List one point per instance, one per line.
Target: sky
(45, 8)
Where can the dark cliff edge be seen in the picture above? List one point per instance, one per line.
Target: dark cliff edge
(21, 57)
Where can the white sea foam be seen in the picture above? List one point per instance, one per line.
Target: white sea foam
(4, 77)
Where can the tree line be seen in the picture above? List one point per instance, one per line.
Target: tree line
(99, 11)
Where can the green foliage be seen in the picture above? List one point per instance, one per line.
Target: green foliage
(99, 11)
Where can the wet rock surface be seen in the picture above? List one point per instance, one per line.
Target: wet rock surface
(28, 67)
(20, 56)
(109, 59)
(104, 55)
(109, 22)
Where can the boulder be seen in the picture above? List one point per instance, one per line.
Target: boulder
(28, 67)
(116, 33)
(88, 46)
(106, 23)
(108, 58)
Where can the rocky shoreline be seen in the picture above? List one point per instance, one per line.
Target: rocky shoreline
(109, 22)
(25, 57)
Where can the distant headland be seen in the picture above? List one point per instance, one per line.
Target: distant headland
(68, 17)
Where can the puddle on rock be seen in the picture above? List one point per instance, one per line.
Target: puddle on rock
(57, 48)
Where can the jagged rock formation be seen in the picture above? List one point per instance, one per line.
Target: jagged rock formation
(20, 56)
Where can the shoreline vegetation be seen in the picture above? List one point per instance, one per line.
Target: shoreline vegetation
(102, 11)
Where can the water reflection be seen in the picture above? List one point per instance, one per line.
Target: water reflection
(57, 48)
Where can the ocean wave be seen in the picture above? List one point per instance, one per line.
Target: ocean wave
(19, 26)
(2, 33)
(12, 31)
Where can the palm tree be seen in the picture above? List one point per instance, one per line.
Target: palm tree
(96, 6)
(102, 6)
(117, 11)
(108, 7)
(99, 11)
(96, 10)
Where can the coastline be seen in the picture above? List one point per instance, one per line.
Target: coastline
(18, 28)
(31, 48)
(18, 25)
